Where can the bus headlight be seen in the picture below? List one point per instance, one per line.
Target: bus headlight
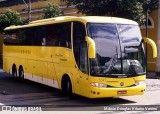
(99, 85)
(140, 82)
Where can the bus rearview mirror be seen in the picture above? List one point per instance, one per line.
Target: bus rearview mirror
(152, 44)
(91, 47)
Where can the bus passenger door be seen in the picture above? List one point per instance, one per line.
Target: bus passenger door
(80, 55)
(83, 66)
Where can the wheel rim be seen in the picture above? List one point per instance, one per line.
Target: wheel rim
(14, 73)
(21, 75)
(69, 88)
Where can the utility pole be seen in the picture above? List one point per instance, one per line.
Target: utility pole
(29, 9)
(147, 21)
(147, 36)
(158, 43)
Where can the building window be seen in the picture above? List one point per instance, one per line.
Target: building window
(63, 0)
(150, 23)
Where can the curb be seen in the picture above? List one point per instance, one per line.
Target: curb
(152, 75)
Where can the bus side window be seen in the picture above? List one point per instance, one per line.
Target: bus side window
(52, 35)
(30, 36)
(65, 35)
(22, 36)
(40, 36)
(11, 37)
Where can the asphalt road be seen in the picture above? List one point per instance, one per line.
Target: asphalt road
(13, 92)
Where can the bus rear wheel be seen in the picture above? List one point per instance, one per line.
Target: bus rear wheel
(14, 72)
(21, 74)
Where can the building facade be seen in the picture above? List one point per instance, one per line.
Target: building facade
(36, 7)
(152, 33)
(153, 64)
(158, 40)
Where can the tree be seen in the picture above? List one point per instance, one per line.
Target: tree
(51, 10)
(150, 4)
(10, 18)
(131, 9)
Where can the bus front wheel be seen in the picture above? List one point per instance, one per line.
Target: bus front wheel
(67, 87)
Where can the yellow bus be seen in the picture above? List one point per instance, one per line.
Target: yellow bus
(91, 56)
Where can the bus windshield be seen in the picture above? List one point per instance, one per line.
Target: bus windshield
(119, 50)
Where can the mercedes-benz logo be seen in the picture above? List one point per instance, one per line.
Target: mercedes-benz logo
(122, 84)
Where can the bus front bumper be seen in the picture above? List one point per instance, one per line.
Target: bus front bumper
(115, 92)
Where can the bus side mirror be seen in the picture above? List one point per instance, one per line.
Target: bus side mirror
(91, 47)
(152, 44)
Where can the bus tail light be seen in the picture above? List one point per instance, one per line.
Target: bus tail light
(139, 82)
(99, 85)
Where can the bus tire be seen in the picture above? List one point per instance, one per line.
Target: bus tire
(21, 74)
(14, 71)
(67, 87)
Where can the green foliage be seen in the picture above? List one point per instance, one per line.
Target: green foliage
(150, 4)
(131, 9)
(51, 10)
(9, 18)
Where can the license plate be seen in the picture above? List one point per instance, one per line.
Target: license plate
(122, 92)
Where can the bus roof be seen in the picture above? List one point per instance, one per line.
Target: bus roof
(84, 19)
(102, 19)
